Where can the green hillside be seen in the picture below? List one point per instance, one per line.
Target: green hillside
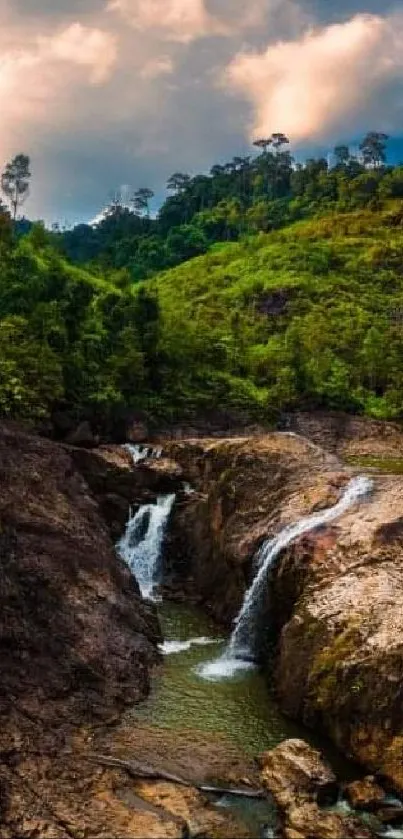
(310, 316)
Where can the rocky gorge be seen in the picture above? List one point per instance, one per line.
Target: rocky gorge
(336, 594)
(80, 644)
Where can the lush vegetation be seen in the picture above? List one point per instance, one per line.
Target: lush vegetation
(297, 301)
(245, 196)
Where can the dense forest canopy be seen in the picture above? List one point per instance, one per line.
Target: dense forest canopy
(295, 298)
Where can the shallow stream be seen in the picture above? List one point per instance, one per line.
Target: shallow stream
(239, 707)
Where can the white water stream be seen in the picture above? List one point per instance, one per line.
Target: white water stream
(141, 544)
(143, 452)
(240, 652)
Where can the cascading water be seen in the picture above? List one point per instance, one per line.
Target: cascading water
(241, 648)
(143, 452)
(141, 544)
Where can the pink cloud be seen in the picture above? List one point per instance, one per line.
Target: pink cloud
(160, 66)
(309, 86)
(178, 20)
(35, 80)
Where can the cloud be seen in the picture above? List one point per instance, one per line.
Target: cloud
(162, 65)
(79, 45)
(310, 86)
(106, 92)
(178, 20)
(35, 79)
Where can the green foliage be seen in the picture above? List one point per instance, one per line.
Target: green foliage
(245, 196)
(282, 288)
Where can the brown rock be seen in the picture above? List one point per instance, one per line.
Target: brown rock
(82, 436)
(293, 770)
(365, 794)
(348, 435)
(77, 639)
(308, 821)
(390, 815)
(137, 432)
(335, 596)
(301, 782)
(243, 488)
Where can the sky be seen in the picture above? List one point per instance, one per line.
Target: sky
(105, 93)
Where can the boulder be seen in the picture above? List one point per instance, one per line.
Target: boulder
(308, 821)
(347, 435)
(340, 651)
(137, 432)
(245, 489)
(302, 783)
(293, 770)
(365, 794)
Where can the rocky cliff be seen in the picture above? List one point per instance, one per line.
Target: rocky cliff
(77, 640)
(336, 603)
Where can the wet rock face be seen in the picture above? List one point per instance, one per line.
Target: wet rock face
(77, 640)
(118, 487)
(302, 783)
(340, 653)
(335, 610)
(365, 794)
(71, 613)
(243, 490)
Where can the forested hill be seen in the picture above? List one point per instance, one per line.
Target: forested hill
(306, 315)
(262, 192)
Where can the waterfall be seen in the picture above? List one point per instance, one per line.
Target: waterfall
(141, 544)
(143, 452)
(241, 648)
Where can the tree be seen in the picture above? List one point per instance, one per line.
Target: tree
(342, 155)
(263, 143)
(278, 140)
(15, 182)
(373, 148)
(141, 200)
(178, 182)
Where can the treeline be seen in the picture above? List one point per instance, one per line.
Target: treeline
(302, 316)
(245, 196)
(71, 344)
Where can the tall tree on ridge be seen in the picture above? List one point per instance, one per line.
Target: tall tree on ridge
(15, 182)
(373, 148)
(263, 143)
(178, 182)
(141, 200)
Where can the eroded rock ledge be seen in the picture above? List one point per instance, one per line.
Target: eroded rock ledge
(77, 640)
(78, 644)
(336, 608)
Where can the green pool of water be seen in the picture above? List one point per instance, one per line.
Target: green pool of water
(239, 707)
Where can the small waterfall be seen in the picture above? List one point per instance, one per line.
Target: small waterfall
(143, 452)
(241, 648)
(141, 544)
